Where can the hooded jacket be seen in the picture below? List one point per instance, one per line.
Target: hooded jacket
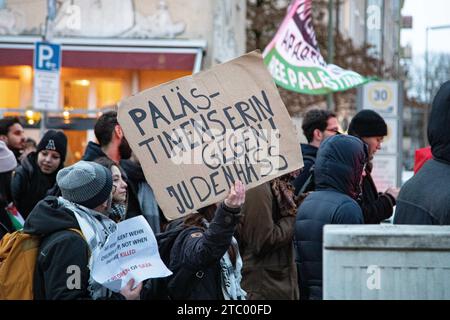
(338, 171)
(60, 250)
(29, 184)
(425, 198)
(309, 154)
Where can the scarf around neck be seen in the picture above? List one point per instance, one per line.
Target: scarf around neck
(231, 275)
(96, 228)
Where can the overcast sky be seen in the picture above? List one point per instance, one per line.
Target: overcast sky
(427, 13)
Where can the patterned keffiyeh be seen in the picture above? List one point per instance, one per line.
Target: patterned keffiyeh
(231, 275)
(96, 228)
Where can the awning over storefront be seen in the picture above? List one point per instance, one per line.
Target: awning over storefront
(110, 53)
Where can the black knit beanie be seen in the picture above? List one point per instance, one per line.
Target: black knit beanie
(55, 141)
(367, 123)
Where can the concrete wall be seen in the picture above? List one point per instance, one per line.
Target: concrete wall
(386, 262)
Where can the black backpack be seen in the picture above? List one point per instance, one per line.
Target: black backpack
(309, 184)
(178, 285)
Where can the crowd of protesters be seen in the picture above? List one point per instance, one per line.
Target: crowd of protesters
(263, 243)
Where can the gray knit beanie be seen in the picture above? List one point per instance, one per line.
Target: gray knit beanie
(86, 183)
(7, 159)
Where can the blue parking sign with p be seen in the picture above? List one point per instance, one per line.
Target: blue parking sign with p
(47, 56)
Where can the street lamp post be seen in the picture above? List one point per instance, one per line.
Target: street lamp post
(330, 105)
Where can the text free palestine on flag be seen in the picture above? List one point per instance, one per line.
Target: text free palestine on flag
(294, 60)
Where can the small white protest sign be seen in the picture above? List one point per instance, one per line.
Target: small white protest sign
(131, 252)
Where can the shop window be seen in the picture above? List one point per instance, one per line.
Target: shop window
(9, 93)
(109, 92)
(77, 145)
(152, 78)
(76, 93)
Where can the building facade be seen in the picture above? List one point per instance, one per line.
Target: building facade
(375, 22)
(111, 49)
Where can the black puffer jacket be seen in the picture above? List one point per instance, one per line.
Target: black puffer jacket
(338, 170)
(425, 199)
(60, 249)
(201, 250)
(29, 185)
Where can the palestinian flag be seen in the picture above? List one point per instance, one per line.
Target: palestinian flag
(293, 57)
(15, 217)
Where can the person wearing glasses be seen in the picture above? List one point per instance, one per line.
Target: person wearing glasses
(317, 126)
(371, 128)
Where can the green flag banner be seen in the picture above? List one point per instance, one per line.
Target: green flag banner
(294, 60)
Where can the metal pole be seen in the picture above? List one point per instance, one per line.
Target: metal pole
(426, 65)
(330, 104)
(51, 14)
(427, 98)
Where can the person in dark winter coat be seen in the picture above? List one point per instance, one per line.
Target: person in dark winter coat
(317, 126)
(207, 248)
(86, 195)
(338, 173)
(371, 128)
(425, 198)
(37, 174)
(112, 141)
(8, 163)
(265, 239)
(141, 198)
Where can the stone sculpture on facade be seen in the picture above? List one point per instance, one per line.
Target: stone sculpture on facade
(114, 18)
(12, 22)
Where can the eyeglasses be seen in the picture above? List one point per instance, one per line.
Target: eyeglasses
(335, 131)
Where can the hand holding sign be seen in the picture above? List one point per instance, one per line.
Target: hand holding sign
(236, 197)
(131, 294)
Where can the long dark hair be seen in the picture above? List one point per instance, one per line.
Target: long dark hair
(5, 187)
(207, 213)
(196, 219)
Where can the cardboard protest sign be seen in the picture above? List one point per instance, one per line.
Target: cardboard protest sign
(196, 135)
(131, 252)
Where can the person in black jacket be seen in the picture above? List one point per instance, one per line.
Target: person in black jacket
(63, 253)
(12, 133)
(208, 249)
(425, 198)
(141, 198)
(8, 163)
(111, 140)
(317, 126)
(371, 128)
(37, 174)
(338, 173)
